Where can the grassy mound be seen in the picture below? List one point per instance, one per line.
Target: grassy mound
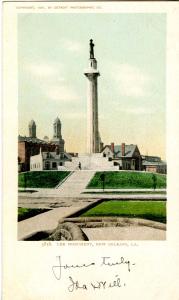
(25, 213)
(151, 210)
(124, 179)
(41, 179)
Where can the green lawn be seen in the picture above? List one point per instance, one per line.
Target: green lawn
(152, 210)
(41, 179)
(126, 180)
(25, 213)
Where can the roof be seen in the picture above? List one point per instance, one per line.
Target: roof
(150, 158)
(32, 122)
(129, 150)
(30, 139)
(57, 120)
(153, 163)
(109, 146)
(53, 155)
(35, 140)
(68, 155)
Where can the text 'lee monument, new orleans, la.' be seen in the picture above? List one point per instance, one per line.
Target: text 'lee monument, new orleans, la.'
(92, 73)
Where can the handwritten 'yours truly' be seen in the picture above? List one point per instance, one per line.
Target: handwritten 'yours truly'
(57, 269)
(104, 261)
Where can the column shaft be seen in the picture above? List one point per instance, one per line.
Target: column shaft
(92, 114)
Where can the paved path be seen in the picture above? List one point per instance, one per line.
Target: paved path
(53, 201)
(64, 201)
(94, 190)
(124, 190)
(76, 183)
(73, 186)
(125, 233)
(49, 220)
(62, 207)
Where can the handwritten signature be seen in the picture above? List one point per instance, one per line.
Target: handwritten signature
(95, 285)
(104, 261)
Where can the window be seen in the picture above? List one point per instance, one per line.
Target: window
(47, 165)
(54, 165)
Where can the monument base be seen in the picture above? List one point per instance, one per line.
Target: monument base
(94, 161)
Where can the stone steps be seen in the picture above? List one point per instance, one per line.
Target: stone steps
(93, 161)
(76, 183)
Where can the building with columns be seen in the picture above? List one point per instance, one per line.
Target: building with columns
(92, 73)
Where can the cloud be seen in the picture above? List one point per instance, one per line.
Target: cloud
(43, 70)
(50, 80)
(73, 46)
(131, 81)
(138, 111)
(76, 115)
(61, 93)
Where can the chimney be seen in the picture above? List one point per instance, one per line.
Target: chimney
(123, 149)
(112, 147)
(57, 150)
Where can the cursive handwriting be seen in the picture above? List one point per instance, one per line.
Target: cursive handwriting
(107, 262)
(103, 263)
(57, 269)
(75, 285)
(95, 285)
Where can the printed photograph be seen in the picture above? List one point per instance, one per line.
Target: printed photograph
(92, 127)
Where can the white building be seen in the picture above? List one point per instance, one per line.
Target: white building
(48, 161)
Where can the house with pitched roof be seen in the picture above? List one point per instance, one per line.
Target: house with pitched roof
(50, 160)
(154, 164)
(127, 157)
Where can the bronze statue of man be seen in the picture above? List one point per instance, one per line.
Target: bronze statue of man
(91, 49)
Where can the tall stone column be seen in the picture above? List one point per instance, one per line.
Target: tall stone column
(92, 104)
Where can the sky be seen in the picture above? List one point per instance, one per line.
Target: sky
(53, 53)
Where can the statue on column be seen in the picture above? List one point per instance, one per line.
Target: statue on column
(91, 49)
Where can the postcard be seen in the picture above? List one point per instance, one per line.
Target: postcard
(90, 201)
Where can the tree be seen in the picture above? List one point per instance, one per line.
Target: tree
(154, 179)
(102, 177)
(25, 180)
